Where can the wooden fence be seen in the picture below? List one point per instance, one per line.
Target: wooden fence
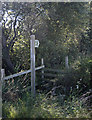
(33, 69)
(6, 78)
(3, 77)
(48, 72)
(33, 44)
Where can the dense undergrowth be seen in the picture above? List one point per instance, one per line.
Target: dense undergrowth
(71, 99)
(42, 107)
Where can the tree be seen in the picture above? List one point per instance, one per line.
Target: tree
(57, 26)
(14, 16)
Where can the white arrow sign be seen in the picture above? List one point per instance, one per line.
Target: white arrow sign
(36, 43)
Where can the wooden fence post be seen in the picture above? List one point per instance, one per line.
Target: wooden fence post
(2, 74)
(32, 55)
(42, 63)
(0, 59)
(1, 83)
(66, 62)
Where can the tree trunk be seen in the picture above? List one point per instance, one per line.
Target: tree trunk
(6, 57)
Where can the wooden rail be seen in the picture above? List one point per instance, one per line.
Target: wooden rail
(21, 73)
(55, 70)
(48, 72)
(50, 75)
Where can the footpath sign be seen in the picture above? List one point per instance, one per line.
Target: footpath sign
(36, 43)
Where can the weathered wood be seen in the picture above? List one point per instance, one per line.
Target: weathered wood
(0, 59)
(2, 74)
(53, 70)
(32, 55)
(42, 63)
(66, 62)
(21, 73)
(51, 75)
(38, 68)
(0, 49)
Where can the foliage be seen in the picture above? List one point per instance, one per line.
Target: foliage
(83, 67)
(62, 29)
(54, 24)
(42, 107)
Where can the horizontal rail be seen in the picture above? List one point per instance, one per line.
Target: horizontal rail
(51, 75)
(21, 73)
(54, 70)
(38, 68)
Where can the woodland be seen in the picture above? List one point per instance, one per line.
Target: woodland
(63, 29)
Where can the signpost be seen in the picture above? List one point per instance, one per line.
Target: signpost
(33, 43)
(37, 43)
(32, 47)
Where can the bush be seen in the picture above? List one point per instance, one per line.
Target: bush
(82, 68)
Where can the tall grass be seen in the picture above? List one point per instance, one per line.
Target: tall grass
(42, 107)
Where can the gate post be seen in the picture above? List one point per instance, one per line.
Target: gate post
(2, 74)
(66, 62)
(32, 55)
(42, 63)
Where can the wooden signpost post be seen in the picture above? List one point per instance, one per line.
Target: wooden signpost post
(32, 47)
(33, 43)
(0, 59)
(66, 62)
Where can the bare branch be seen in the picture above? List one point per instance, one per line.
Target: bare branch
(11, 42)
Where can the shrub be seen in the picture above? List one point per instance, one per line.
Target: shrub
(83, 67)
